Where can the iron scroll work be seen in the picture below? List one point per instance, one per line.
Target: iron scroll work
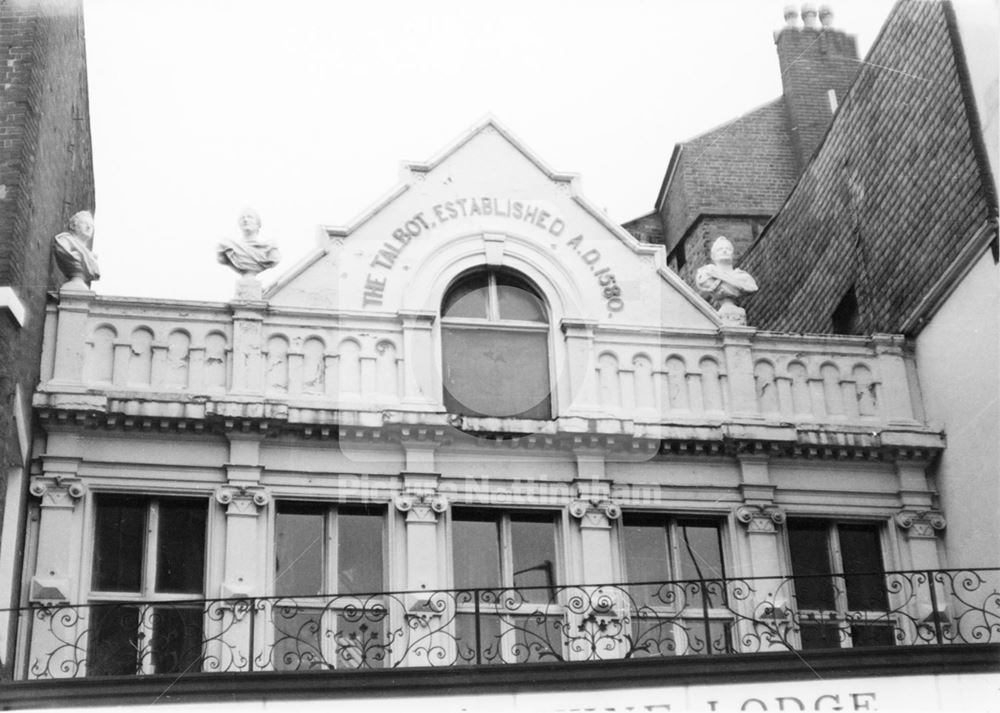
(511, 625)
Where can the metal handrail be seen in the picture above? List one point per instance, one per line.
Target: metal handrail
(506, 625)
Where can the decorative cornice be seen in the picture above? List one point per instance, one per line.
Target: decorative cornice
(920, 524)
(760, 519)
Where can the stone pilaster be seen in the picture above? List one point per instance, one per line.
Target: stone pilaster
(248, 320)
(894, 393)
(736, 347)
(595, 510)
(921, 528)
(71, 334)
(768, 599)
(578, 390)
(56, 577)
(59, 536)
(420, 382)
(422, 504)
(243, 504)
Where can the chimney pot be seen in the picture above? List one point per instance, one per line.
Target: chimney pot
(791, 16)
(809, 17)
(826, 16)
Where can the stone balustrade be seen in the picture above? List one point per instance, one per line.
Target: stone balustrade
(106, 353)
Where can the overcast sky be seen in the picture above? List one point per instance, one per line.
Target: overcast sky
(304, 109)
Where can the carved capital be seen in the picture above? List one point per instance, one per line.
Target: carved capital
(245, 500)
(58, 491)
(920, 524)
(595, 513)
(760, 518)
(420, 507)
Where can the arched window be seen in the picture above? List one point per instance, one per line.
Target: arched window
(495, 346)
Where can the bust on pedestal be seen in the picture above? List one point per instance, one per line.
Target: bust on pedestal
(249, 255)
(73, 252)
(722, 284)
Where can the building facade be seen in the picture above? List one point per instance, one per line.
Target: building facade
(479, 429)
(893, 228)
(732, 179)
(45, 176)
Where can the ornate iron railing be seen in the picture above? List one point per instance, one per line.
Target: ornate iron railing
(511, 625)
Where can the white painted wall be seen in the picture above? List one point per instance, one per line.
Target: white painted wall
(978, 25)
(957, 357)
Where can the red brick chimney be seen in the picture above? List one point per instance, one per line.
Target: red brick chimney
(818, 65)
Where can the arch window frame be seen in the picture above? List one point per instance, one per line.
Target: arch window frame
(491, 283)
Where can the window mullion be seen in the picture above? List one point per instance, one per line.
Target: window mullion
(149, 563)
(837, 565)
(673, 550)
(506, 554)
(331, 580)
(493, 299)
(146, 616)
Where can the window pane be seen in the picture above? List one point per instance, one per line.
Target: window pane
(496, 373)
(360, 639)
(861, 552)
(821, 636)
(119, 539)
(180, 554)
(709, 636)
(476, 551)
(359, 552)
(177, 639)
(699, 549)
(298, 550)
(298, 639)
(111, 649)
(872, 635)
(533, 551)
(468, 298)
(646, 558)
(518, 301)
(536, 638)
(484, 649)
(809, 548)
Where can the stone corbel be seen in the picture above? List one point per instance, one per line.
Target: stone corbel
(59, 491)
(245, 500)
(920, 524)
(420, 507)
(594, 513)
(760, 518)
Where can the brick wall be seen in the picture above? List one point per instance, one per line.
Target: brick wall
(697, 245)
(744, 167)
(45, 176)
(813, 61)
(890, 199)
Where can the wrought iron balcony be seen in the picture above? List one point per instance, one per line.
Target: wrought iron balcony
(511, 625)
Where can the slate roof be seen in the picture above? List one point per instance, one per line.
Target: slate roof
(897, 193)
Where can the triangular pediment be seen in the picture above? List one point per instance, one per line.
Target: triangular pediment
(488, 200)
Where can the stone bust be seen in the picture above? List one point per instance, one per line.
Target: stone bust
(249, 254)
(73, 250)
(722, 284)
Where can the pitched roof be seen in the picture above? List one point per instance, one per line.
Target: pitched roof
(896, 194)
